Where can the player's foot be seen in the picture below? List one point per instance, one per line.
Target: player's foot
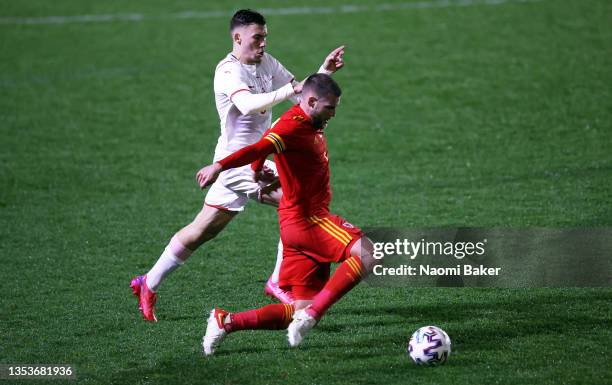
(146, 298)
(215, 332)
(273, 290)
(300, 326)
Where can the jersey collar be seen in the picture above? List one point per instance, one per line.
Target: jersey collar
(298, 111)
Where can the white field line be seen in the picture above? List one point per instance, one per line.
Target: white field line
(346, 8)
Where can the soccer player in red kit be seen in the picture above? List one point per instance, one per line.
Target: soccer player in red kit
(313, 237)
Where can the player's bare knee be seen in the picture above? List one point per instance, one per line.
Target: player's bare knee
(364, 248)
(209, 222)
(369, 262)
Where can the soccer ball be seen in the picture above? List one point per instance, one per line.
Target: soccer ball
(429, 345)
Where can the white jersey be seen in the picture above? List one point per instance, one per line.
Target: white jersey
(231, 77)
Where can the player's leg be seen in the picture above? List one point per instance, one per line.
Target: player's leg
(350, 272)
(331, 238)
(302, 322)
(347, 275)
(271, 194)
(220, 323)
(272, 287)
(308, 277)
(205, 226)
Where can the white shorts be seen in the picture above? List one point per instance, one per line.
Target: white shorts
(233, 189)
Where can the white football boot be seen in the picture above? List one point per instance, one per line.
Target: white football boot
(215, 332)
(299, 327)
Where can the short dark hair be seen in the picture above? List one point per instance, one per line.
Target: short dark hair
(322, 85)
(246, 17)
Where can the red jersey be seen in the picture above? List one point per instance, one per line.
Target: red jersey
(301, 159)
(312, 237)
(302, 163)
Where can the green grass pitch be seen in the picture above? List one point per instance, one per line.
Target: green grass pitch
(468, 113)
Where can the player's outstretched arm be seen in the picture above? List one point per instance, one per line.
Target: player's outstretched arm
(208, 174)
(250, 103)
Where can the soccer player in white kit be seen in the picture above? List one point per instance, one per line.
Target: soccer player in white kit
(248, 83)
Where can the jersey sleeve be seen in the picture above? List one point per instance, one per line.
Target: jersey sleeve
(257, 164)
(277, 141)
(247, 155)
(284, 134)
(250, 103)
(229, 80)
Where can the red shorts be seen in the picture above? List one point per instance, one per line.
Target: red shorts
(310, 246)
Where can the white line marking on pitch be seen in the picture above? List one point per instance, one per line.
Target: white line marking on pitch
(347, 8)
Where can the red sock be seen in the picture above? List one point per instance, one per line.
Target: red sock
(272, 317)
(346, 276)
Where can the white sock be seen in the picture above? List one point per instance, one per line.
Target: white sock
(279, 260)
(166, 264)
